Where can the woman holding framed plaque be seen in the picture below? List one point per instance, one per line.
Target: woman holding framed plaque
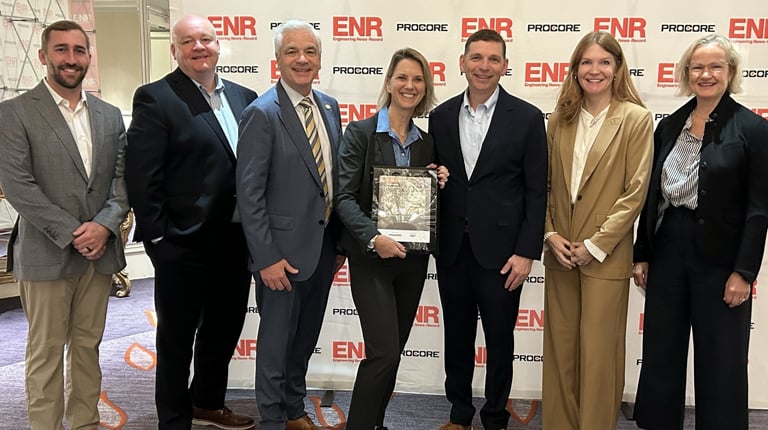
(387, 275)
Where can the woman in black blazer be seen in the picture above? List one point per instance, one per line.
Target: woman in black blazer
(386, 280)
(700, 245)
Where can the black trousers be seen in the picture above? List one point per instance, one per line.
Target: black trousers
(684, 292)
(386, 293)
(201, 297)
(466, 288)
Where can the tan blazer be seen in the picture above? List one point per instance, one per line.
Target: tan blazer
(612, 191)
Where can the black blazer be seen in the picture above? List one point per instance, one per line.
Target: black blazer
(732, 207)
(503, 204)
(362, 148)
(180, 168)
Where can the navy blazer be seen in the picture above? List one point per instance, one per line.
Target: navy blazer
(732, 209)
(180, 167)
(503, 204)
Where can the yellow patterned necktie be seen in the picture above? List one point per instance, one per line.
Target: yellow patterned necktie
(317, 150)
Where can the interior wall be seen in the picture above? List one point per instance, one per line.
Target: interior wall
(119, 48)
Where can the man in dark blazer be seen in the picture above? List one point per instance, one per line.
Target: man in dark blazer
(180, 169)
(284, 196)
(62, 168)
(491, 224)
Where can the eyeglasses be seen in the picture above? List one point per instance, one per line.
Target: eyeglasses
(714, 69)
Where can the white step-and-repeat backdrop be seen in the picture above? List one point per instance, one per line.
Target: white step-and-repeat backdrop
(358, 40)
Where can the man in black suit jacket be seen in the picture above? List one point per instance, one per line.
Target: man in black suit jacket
(180, 171)
(491, 224)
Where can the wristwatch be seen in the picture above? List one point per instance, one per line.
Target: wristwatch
(372, 243)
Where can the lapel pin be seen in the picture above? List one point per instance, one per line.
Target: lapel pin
(328, 107)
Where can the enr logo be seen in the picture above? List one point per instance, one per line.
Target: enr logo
(348, 351)
(503, 26)
(627, 29)
(427, 316)
(481, 356)
(349, 26)
(438, 72)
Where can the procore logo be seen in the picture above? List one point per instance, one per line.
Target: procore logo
(501, 25)
(626, 29)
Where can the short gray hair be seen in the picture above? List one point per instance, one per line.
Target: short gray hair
(294, 25)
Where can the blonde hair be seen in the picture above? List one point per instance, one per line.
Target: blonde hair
(429, 100)
(571, 94)
(734, 62)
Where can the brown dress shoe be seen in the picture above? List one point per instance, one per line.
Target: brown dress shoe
(222, 418)
(303, 423)
(451, 426)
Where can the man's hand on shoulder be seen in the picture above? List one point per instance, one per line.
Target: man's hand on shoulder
(274, 276)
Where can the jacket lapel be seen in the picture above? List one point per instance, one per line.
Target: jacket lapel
(453, 130)
(613, 120)
(97, 131)
(188, 91)
(296, 131)
(50, 113)
(566, 139)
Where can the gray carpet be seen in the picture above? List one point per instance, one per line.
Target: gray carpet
(127, 358)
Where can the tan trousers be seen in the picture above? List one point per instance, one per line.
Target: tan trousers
(66, 313)
(585, 322)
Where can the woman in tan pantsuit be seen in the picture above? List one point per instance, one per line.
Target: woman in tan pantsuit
(600, 149)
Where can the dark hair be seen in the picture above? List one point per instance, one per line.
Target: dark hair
(486, 35)
(63, 25)
(429, 100)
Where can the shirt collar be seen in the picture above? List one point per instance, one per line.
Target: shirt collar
(294, 95)
(59, 99)
(587, 117)
(217, 89)
(489, 104)
(382, 126)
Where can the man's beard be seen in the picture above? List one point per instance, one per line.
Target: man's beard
(58, 76)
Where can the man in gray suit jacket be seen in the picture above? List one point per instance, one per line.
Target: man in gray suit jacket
(286, 154)
(62, 170)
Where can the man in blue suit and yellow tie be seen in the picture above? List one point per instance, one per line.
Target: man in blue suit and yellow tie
(286, 157)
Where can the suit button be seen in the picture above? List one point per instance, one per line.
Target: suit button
(703, 192)
(321, 222)
(703, 165)
(578, 197)
(701, 221)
